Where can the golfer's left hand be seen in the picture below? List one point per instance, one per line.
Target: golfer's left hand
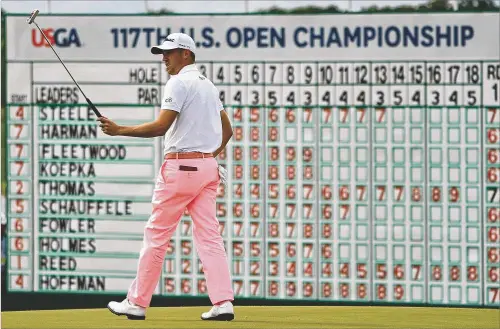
(108, 127)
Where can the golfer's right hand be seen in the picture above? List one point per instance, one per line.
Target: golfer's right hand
(108, 127)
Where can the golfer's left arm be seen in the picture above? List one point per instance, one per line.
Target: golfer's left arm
(150, 129)
(174, 95)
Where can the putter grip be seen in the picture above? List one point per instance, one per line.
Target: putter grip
(92, 106)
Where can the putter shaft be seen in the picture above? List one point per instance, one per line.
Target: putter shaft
(30, 20)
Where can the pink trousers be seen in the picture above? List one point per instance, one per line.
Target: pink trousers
(176, 189)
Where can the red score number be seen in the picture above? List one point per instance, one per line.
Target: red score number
(493, 175)
(290, 115)
(273, 172)
(326, 192)
(326, 116)
(274, 231)
(436, 273)
(202, 286)
(472, 274)
(308, 289)
(186, 286)
(344, 193)
(381, 291)
(237, 153)
(361, 271)
(19, 203)
(399, 272)
(492, 114)
(273, 115)
(19, 129)
(326, 270)
(255, 170)
(237, 287)
(326, 251)
(344, 290)
(416, 194)
(493, 214)
(493, 135)
(326, 290)
(19, 113)
(307, 154)
(307, 115)
(326, 211)
(493, 155)
(255, 288)
(254, 115)
(326, 231)
(238, 133)
(273, 288)
(19, 148)
(238, 115)
(455, 273)
(493, 274)
(399, 292)
(436, 194)
(493, 255)
(493, 233)
(290, 153)
(18, 225)
(238, 172)
(169, 285)
(273, 134)
(255, 153)
(20, 281)
(291, 289)
(361, 291)
(274, 153)
(381, 271)
(454, 194)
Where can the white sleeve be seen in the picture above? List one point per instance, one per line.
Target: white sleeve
(220, 106)
(174, 95)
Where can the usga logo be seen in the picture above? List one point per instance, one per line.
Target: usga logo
(58, 37)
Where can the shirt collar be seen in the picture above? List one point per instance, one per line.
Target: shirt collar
(188, 68)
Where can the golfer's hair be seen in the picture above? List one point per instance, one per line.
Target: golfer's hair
(191, 54)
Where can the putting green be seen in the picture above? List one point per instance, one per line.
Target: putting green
(265, 317)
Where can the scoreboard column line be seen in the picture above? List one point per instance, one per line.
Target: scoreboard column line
(482, 165)
(317, 170)
(371, 289)
(34, 188)
(264, 182)
(36, 196)
(426, 186)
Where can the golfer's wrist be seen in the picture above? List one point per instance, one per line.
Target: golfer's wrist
(122, 130)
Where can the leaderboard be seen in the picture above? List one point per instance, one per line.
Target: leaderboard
(79, 198)
(348, 181)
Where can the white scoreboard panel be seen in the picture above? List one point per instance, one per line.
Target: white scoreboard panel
(364, 165)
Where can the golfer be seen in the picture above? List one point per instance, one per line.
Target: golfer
(196, 129)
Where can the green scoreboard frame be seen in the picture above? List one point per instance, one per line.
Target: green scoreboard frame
(354, 181)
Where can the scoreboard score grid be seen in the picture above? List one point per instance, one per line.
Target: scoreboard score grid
(371, 190)
(364, 181)
(362, 171)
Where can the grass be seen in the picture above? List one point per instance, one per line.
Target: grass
(265, 317)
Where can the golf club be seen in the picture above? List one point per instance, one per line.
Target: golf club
(31, 20)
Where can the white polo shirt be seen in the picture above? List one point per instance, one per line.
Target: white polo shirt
(198, 126)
